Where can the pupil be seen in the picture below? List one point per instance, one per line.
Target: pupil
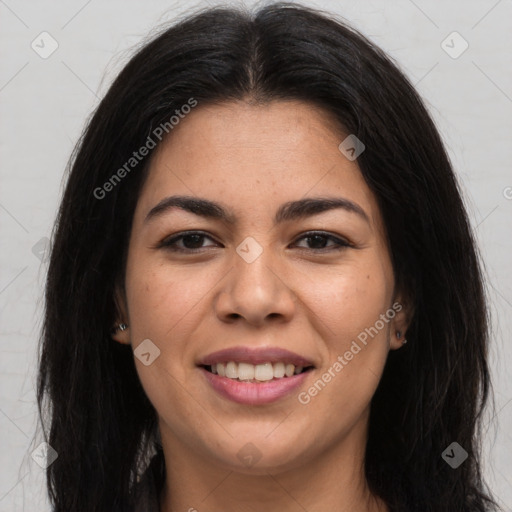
(196, 241)
(318, 238)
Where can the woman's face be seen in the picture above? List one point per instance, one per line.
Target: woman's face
(271, 275)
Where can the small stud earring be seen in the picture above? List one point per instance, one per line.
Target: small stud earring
(399, 335)
(119, 327)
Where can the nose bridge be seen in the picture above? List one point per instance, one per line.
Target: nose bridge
(255, 275)
(253, 289)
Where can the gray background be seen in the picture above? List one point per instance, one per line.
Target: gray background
(45, 102)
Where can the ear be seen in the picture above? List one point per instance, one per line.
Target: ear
(404, 311)
(121, 335)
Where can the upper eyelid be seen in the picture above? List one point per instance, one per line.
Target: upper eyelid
(181, 234)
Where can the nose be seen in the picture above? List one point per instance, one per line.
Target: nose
(256, 292)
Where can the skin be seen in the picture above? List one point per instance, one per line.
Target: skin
(252, 159)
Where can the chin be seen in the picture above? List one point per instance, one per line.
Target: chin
(260, 455)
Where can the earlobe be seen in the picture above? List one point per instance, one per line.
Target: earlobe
(120, 333)
(400, 337)
(400, 324)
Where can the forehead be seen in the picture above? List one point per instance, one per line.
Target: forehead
(255, 156)
(265, 130)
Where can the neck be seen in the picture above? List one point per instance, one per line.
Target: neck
(332, 481)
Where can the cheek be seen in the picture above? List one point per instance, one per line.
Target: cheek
(349, 305)
(163, 305)
(161, 298)
(349, 299)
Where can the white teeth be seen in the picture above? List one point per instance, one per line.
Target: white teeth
(232, 370)
(245, 371)
(261, 372)
(278, 370)
(264, 371)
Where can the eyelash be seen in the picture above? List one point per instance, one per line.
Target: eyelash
(168, 243)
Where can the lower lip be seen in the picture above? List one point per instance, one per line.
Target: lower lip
(251, 393)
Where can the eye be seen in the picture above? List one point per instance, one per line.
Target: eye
(190, 241)
(319, 240)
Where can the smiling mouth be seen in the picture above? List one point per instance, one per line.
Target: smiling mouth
(246, 372)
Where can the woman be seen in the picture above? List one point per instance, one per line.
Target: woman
(258, 216)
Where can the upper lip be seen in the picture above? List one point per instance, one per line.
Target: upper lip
(255, 356)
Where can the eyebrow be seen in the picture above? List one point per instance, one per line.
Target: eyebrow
(292, 210)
